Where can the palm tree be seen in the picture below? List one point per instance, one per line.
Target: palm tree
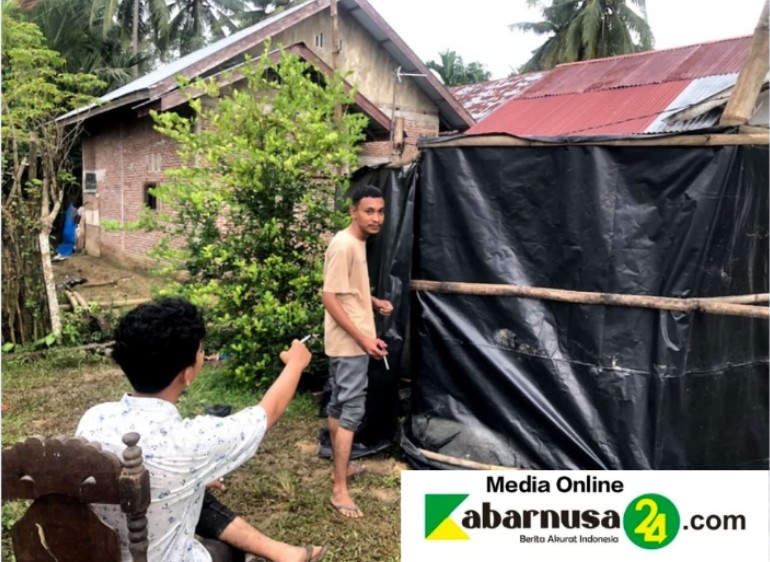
(195, 22)
(454, 72)
(145, 18)
(586, 29)
(83, 47)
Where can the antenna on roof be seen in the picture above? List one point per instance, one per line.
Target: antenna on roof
(399, 74)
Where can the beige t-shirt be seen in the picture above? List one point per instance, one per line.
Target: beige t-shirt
(346, 275)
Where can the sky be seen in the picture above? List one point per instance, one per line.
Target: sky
(478, 30)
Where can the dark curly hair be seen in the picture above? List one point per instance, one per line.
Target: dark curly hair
(154, 342)
(366, 190)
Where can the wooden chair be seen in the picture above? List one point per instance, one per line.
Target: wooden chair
(63, 475)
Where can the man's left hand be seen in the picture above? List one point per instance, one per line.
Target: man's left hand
(383, 307)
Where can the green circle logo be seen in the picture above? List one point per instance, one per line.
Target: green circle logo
(651, 521)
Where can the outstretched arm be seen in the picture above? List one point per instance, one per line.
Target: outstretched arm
(280, 393)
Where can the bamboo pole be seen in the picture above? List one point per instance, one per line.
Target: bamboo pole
(582, 297)
(87, 347)
(674, 140)
(74, 304)
(743, 100)
(463, 463)
(112, 304)
(81, 301)
(102, 283)
(740, 299)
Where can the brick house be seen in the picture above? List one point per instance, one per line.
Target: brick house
(123, 156)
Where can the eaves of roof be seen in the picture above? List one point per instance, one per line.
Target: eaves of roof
(452, 114)
(202, 62)
(161, 80)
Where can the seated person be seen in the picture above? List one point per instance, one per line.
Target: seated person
(158, 347)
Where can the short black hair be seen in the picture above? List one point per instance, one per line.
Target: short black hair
(365, 190)
(156, 341)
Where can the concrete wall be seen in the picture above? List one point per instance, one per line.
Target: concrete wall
(373, 72)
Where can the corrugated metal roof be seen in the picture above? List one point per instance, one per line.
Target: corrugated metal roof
(452, 114)
(609, 112)
(695, 92)
(173, 68)
(483, 98)
(631, 94)
(650, 67)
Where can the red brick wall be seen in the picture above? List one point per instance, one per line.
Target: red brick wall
(128, 154)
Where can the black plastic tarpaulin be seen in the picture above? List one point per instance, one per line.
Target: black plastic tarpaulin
(543, 384)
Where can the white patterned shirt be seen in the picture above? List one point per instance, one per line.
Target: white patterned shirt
(182, 456)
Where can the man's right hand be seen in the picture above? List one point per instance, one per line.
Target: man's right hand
(298, 354)
(374, 347)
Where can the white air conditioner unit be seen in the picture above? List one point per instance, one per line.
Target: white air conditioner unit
(89, 182)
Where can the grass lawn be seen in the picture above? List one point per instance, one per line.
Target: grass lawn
(283, 490)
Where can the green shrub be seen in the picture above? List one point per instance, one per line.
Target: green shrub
(251, 203)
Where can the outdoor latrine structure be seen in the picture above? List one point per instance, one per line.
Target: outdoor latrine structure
(589, 304)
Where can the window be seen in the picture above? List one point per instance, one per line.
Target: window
(319, 40)
(149, 199)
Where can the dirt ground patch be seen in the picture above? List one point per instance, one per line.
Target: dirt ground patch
(105, 281)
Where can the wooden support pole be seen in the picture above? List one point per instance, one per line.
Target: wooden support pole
(336, 53)
(673, 140)
(463, 463)
(113, 304)
(743, 100)
(582, 297)
(760, 298)
(74, 304)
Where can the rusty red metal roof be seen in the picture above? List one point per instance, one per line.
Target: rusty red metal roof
(616, 95)
(610, 112)
(483, 98)
(650, 67)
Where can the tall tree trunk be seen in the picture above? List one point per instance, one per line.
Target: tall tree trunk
(48, 277)
(135, 38)
(50, 203)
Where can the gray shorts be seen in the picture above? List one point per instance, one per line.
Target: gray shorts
(348, 378)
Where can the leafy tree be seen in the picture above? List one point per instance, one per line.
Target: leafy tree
(252, 201)
(36, 171)
(586, 29)
(454, 72)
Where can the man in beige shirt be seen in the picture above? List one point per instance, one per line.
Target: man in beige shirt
(350, 338)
